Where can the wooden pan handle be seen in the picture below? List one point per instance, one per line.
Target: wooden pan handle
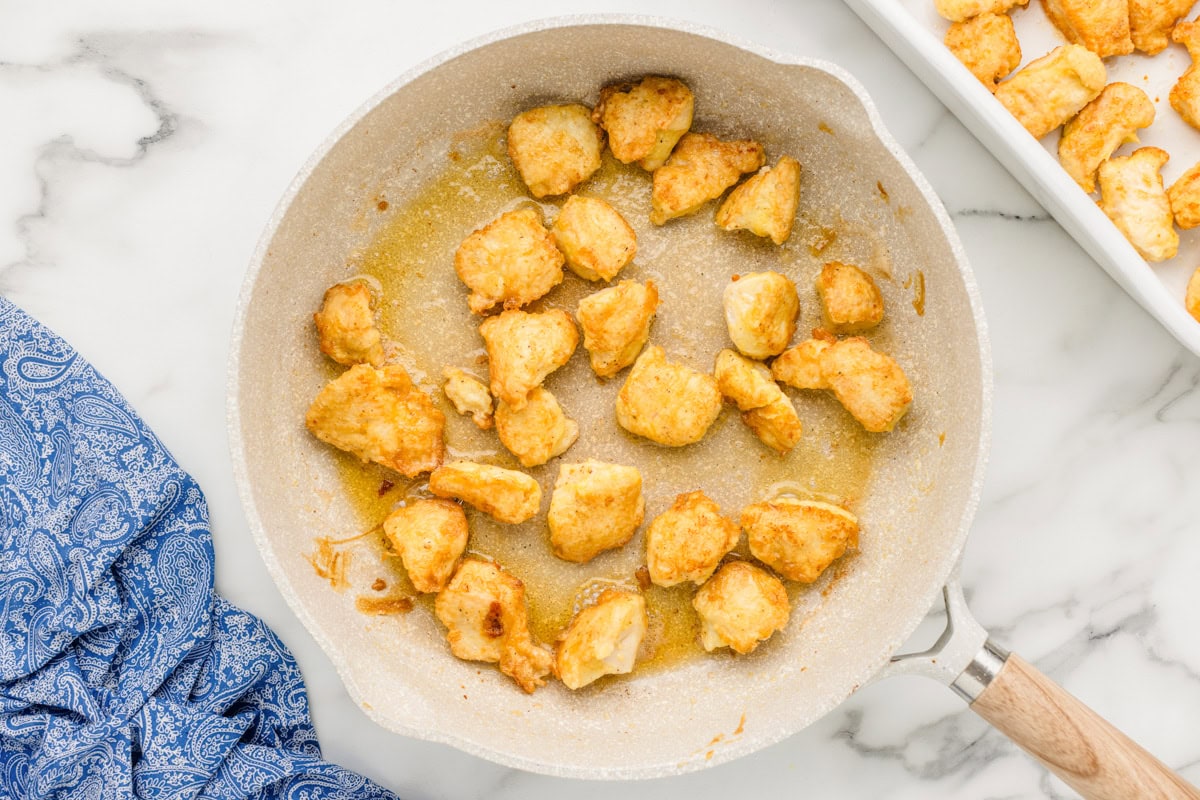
(1072, 741)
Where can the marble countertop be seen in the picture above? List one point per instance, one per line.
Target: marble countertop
(143, 146)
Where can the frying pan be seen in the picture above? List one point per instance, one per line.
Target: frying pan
(924, 485)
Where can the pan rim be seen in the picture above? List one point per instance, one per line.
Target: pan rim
(746, 744)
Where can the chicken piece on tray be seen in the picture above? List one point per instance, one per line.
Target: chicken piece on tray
(1052, 89)
(1133, 197)
(603, 639)
(1104, 124)
(667, 403)
(741, 606)
(1185, 94)
(511, 261)
(1101, 26)
(1193, 295)
(986, 45)
(1151, 22)
(960, 10)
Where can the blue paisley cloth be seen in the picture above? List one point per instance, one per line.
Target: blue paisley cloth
(122, 673)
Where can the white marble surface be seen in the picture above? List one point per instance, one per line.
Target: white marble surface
(143, 145)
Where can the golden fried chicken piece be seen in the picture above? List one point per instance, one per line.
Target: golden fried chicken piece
(538, 432)
(505, 494)
(870, 385)
(760, 313)
(740, 606)
(849, 298)
(346, 325)
(765, 408)
(959, 10)
(986, 45)
(483, 609)
(667, 403)
(430, 537)
(603, 639)
(1132, 195)
(1192, 300)
(616, 324)
(800, 366)
(555, 148)
(512, 260)
(1185, 94)
(1151, 21)
(644, 120)
(1104, 124)
(596, 240)
(524, 348)
(379, 415)
(1101, 26)
(766, 203)
(1052, 89)
(799, 539)
(469, 396)
(701, 169)
(688, 540)
(1184, 195)
(595, 507)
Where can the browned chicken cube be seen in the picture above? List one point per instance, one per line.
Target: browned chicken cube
(346, 325)
(595, 239)
(1185, 94)
(616, 324)
(872, 387)
(766, 203)
(800, 366)
(555, 148)
(1052, 89)
(799, 539)
(670, 404)
(986, 45)
(1101, 26)
(1133, 197)
(602, 639)
(960, 10)
(701, 169)
(1193, 295)
(765, 408)
(1104, 124)
(524, 348)
(595, 507)
(645, 120)
(687, 541)
(430, 537)
(504, 494)
(511, 261)
(740, 607)
(1151, 22)
(849, 298)
(760, 313)
(1184, 196)
(538, 432)
(469, 396)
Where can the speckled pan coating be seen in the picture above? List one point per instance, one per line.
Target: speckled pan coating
(922, 496)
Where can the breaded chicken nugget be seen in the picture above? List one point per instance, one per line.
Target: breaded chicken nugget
(1051, 90)
(379, 415)
(504, 494)
(739, 607)
(603, 639)
(1184, 195)
(800, 366)
(616, 324)
(766, 203)
(1101, 26)
(1151, 21)
(1132, 195)
(667, 403)
(688, 540)
(799, 539)
(430, 537)
(872, 387)
(760, 313)
(595, 507)
(538, 432)
(524, 348)
(850, 299)
(701, 169)
(1185, 94)
(645, 120)
(555, 148)
(986, 45)
(1104, 124)
(469, 396)
(484, 611)
(1192, 299)
(594, 237)
(765, 408)
(346, 325)
(959, 10)
(512, 260)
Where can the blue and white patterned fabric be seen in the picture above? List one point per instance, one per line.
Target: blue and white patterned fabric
(122, 674)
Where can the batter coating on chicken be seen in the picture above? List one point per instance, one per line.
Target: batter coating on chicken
(616, 324)
(1104, 124)
(800, 366)
(555, 148)
(538, 432)
(701, 169)
(959, 10)
(645, 120)
(512, 261)
(430, 537)
(986, 45)
(667, 403)
(483, 609)
(1049, 91)
(346, 325)
(595, 507)
(766, 203)
(1151, 21)
(1185, 94)
(602, 639)
(504, 494)
(1133, 197)
(799, 539)
(1184, 196)
(760, 313)
(688, 540)
(524, 348)
(741, 606)
(595, 239)
(1101, 26)
(469, 396)
(380, 416)
(765, 408)
(849, 298)
(1192, 300)
(871, 386)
